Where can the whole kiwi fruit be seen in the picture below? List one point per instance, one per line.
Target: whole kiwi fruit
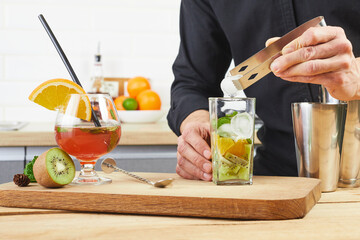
(54, 168)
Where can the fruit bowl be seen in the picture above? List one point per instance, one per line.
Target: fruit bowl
(140, 116)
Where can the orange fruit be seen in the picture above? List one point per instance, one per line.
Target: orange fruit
(149, 100)
(238, 149)
(119, 102)
(52, 95)
(136, 85)
(224, 144)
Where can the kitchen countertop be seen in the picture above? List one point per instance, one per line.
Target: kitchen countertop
(335, 216)
(41, 134)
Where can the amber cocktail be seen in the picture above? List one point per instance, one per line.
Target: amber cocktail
(87, 140)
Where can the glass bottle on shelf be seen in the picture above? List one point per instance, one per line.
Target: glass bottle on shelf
(97, 76)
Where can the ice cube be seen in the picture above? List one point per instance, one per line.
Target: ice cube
(228, 88)
(242, 125)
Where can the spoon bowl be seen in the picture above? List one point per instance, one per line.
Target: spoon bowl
(163, 183)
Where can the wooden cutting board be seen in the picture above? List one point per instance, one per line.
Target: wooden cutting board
(267, 198)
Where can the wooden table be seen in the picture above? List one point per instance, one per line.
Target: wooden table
(336, 216)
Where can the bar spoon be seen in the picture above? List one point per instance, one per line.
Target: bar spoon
(108, 165)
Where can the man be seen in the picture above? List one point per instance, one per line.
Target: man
(213, 32)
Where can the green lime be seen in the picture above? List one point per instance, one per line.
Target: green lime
(223, 120)
(130, 104)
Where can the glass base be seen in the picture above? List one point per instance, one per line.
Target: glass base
(88, 176)
(233, 182)
(91, 181)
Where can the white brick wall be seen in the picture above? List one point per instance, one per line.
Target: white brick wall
(138, 38)
(2, 75)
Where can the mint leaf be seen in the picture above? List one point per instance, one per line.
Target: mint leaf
(112, 114)
(28, 171)
(231, 114)
(60, 129)
(223, 120)
(226, 119)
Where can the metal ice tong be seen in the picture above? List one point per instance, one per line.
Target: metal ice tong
(258, 65)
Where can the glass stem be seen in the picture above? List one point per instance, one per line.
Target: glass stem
(87, 170)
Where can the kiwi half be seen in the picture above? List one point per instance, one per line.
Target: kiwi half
(54, 168)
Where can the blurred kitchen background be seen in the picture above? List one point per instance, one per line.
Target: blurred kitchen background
(138, 38)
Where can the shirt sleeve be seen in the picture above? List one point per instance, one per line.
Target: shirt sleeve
(202, 61)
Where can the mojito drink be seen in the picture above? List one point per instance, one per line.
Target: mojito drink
(232, 148)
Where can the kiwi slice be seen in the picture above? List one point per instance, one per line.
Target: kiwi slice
(227, 162)
(54, 168)
(235, 159)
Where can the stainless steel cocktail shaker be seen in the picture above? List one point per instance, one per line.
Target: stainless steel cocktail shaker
(350, 154)
(318, 131)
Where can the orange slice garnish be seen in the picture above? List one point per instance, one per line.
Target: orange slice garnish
(52, 95)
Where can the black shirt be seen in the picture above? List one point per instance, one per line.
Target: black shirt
(213, 32)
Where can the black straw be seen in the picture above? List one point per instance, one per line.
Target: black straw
(66, 62)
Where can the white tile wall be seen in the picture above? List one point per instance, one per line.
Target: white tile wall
(1, 14)
(1, 68)
(29, 113)
(2, 113)
(138, 38)
(2, 89)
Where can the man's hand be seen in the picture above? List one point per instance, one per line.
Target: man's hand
(193, 152)
(321, 55)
